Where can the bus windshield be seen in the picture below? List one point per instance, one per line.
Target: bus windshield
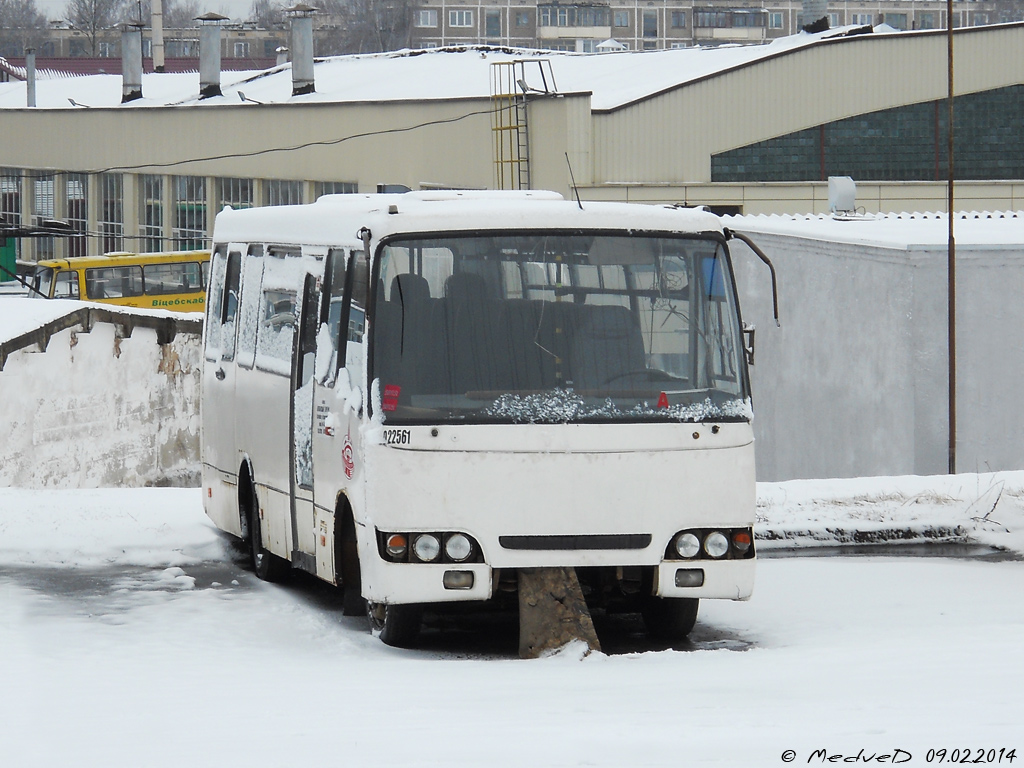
(557, 327)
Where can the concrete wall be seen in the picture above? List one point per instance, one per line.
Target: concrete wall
(854, 383)
(97, 410)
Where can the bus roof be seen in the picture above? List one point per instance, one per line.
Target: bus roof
(120, 258)
(337, 219)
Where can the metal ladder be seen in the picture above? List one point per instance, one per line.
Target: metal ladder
(510, 95)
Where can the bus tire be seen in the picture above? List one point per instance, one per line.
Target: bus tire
(669, 619)
(346, 554)
(266, 565)
(396, 625)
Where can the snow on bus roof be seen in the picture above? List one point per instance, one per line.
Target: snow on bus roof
(614, 79)
(978, 230)
(335, 219)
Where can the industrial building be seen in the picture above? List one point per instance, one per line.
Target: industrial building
(746, 129)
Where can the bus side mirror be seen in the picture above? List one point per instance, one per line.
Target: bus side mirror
(748, 343)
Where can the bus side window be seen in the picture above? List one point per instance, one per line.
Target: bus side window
(66, 285)
(331, 306)
(214, 305)
(360, 287)
(232, 284)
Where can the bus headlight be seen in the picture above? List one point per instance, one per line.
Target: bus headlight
(458, 547)
(687, 545)
(396, 546)
(426, 547)
(716, 544)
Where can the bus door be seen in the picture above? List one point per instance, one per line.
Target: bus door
(219, 449)
(338, 400)
(303, 517)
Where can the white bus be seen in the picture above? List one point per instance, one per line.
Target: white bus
(415, 396)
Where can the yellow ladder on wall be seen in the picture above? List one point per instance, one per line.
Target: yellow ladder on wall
(511, 91)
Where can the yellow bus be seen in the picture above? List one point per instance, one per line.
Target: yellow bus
(172, 280)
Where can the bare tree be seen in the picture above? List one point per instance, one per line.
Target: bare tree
(364, 26)
(268, 14)
(94, 16)
(177, 15)
(21, 26)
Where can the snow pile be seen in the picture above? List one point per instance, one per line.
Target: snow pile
(153, 527)
(970, 508)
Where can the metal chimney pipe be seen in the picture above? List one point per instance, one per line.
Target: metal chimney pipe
(156, 16)
(302, 49)
(209, 54)
(282, 56)
(131, 62)
(30, 75)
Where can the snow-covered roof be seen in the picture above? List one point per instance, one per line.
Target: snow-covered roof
(904, 231)
(614, 79)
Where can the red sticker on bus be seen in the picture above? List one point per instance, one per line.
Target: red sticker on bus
(663, 401)
(390, 400)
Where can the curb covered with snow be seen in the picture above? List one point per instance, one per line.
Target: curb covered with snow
(970, 508)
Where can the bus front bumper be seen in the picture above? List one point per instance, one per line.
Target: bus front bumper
(449, 582)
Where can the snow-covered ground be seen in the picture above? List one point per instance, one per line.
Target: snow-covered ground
(132, 636)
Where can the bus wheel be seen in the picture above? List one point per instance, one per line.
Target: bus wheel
(396, 625)
(669, 619)
(267, 566)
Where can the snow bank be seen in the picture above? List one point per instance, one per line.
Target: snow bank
(156, 527)
(970, 508)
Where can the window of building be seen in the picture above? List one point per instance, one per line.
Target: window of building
(926, 20)
(675, 46)
(979, 19)
(335, 188)
(492, 24)
(460, 18)
(622, 18)
(280, 192)
(833, 20)
(650, 23)
(710, 18)
(426, 18)
(862, 19)
(43, 210)
(678, 19)
(111, 223)
(241, 49)
(650, 45)
(573, 16)
(522, 18)
(775, 20)
(238, 193)
(106, 50)
(151, 213)
(189, 212)
(896, 20)
(76, 187)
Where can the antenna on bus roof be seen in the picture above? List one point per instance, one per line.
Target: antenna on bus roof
(573, 178)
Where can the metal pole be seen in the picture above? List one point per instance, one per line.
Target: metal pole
(951, 250)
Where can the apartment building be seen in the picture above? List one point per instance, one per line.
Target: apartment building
(660, 24)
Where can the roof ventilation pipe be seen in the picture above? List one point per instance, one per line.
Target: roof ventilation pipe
(30, 76)
(131, 61)
(209, 54)
(282, 56)
(815, 16)
(302, 48)
(156, 23)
